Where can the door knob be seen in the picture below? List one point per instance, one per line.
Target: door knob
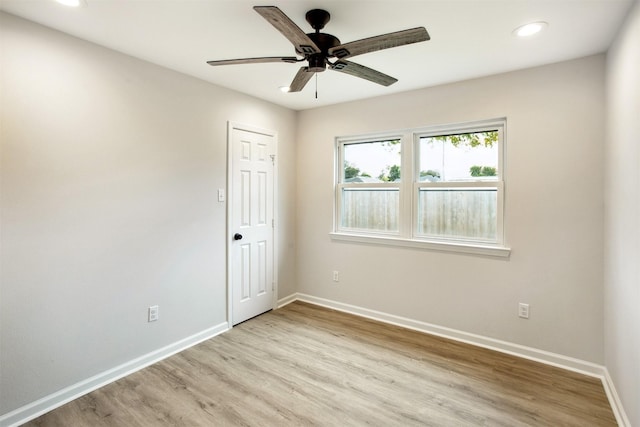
(237, 236)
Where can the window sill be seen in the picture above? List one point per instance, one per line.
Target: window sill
(493, 251)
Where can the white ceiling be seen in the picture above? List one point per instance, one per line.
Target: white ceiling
(469, 38)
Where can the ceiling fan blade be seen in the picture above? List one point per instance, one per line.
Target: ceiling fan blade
(288, 28)
(383, 41)
(300, 80)
(255, 60)
(363, 72)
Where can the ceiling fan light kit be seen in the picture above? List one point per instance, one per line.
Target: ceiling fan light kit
(322, 51)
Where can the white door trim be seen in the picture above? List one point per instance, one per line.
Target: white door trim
(231, 126)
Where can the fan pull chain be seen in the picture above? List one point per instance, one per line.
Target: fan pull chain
(316, 85)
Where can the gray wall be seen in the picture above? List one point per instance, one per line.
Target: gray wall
(553, 206)
(110, 170)
(622, 219)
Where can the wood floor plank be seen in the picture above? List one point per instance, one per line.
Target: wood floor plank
(308, 365)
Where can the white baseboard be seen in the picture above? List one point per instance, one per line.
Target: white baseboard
(59, 398)
(542, 356)
(614, 400)
(287, 300)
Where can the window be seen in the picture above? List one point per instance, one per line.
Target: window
(370, 187)
(441, 187)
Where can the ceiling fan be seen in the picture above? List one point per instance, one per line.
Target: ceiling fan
(319, 49)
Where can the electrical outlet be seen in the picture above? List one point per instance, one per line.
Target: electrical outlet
(153, 313)
(523, 310)
(336, 276)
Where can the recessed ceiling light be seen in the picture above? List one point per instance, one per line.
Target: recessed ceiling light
(285, 89)
(72, 3)
(529, 30)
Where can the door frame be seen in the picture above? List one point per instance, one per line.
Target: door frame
(231, 127)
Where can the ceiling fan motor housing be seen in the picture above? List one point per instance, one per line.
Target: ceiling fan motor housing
(318, 61)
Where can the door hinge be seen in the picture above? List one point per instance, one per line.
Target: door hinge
(273, 223)
(273, 158)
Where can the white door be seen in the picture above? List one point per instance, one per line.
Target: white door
(252, 227)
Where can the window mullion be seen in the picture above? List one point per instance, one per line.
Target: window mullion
(406, 195)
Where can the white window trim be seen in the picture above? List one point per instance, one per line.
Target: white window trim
(449, 246)
(409, 186)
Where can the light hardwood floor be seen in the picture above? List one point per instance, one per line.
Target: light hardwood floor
(307, 365)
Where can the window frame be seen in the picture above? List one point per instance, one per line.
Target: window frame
(410, 186)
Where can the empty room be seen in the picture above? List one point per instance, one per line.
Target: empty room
(389, 213)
